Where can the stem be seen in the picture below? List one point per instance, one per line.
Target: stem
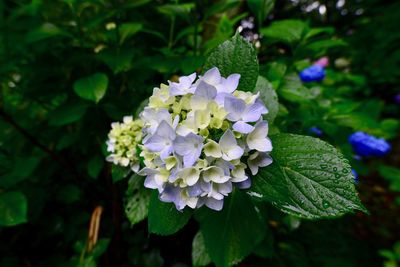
(171, 33)
(195, 36)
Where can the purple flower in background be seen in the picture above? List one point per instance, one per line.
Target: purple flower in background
(316, 131)
(366, 145)
(397, 99)
(314, 73)
(355, 174)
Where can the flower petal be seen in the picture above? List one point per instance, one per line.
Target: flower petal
(212, 149)
(231, 83)
(214, 204)
(254, 112)
(242, 127)
(206, 90)
(235, 108)
(227, 140)
(212, 76)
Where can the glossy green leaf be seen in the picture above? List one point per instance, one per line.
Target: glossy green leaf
(13, 208)
(164, 218)
(200, 256)
(137, 200)
(309, 178)
(236, 56)
(269, 97)
(92, 88)
(232, 233)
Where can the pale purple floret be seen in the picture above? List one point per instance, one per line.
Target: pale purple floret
(183, 87)
(241, 113)
(177, 196)
(206, 90)
(229, 147)
(257, 160)
(162, 140)
(189, 147)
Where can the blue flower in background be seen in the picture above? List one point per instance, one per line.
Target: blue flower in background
(355, 174)
(314, 73)
(366, 145)
(316, 131)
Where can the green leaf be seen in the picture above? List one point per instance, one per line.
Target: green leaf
(236, 56)
(173, 10)
(293, 90)
(13, 208)
(67, 114)
(22, 169)
(94, 166)
(200, 257)
(118, 172)
(276, 72)
(232, 233)
(100, 247)
(392, 174)
(318, 31)
(47, 30)
(309, 178)
(127, 30)
(117, 60)
(164, 218)
(261, 8)
(92, 88)
(286, 31)
(322, 45)
(269, 97)
(69, 194)
(137, 200)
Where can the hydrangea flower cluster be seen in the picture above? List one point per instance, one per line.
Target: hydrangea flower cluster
(366, 145)
(122, 143)
(196, 140)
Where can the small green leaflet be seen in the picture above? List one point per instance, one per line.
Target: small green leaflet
(92, 88)
(236, 56)
(200, 256)
(137, 200)
(13, 208)
(309, 178)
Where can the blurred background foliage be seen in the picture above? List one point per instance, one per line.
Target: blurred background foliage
(53, 128)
